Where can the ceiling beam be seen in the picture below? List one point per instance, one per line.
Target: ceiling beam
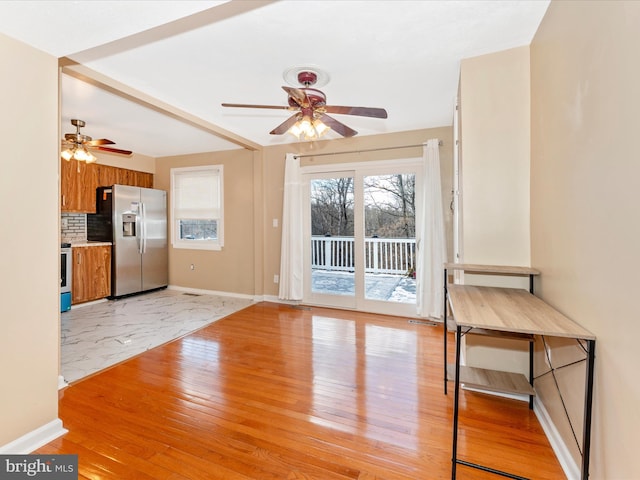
(81, 72)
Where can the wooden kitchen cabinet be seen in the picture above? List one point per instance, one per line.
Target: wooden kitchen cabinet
(108, 176)
(141, 179)
(79, 180)
(91, 278)
(78, 183)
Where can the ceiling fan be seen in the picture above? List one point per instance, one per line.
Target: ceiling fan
(77, 145)
(310, 104)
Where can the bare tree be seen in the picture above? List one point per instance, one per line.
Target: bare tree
(332, 206)
(390, 205)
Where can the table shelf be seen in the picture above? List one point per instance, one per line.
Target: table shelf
(491, 380)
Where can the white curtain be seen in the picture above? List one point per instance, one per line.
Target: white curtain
(430, 237)
(291, 266)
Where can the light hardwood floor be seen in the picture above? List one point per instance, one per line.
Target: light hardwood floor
(275, 392)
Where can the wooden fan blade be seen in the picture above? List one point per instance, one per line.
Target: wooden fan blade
(361, 111)
(284, 126)
(298, 96)
(99, 141)
(243, 105)
(339, 127)
(112, 150)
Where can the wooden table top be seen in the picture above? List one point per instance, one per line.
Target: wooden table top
(495, 269)
(510, 310)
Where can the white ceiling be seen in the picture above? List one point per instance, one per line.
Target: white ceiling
(191, 56)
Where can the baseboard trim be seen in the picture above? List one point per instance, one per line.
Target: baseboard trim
(34, 439)
(211, 292)
(275, 299)
(62, 383)
(571, 470)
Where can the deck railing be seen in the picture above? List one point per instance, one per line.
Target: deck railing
(381, 255)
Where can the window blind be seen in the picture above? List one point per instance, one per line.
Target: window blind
(197, 194)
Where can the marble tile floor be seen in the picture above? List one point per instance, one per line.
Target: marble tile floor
(99, 335)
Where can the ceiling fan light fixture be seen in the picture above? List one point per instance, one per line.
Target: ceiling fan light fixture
(90, 158)
(81, 155)
(308, 129)
(320, 127)
(79, 145)
(78, 153)
(67, 154)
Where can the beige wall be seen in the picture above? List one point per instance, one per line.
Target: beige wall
(585, 196)
(494, 91)
(494, 120)
(231, 269)
(137, 161)
(30, 337)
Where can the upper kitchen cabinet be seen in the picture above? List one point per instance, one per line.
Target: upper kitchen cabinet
(78, 183)
(108, 175)
(79, 180)
(141, 179)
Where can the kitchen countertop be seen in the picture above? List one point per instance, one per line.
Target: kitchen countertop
(87, 243)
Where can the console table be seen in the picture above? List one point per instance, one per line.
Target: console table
(499, 270)
(516, 311)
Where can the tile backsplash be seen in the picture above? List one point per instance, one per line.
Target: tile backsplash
(73, 227)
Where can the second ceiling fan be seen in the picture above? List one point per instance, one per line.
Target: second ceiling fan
(77, 145)
(310, 104)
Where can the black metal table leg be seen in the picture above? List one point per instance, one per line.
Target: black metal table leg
(445, 330)
(456, 398)
(588, 408)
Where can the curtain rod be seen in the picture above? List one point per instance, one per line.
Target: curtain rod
(361, 151)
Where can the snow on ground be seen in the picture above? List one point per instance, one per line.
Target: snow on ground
(392, 288)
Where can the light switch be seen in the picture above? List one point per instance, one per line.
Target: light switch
(275, 223)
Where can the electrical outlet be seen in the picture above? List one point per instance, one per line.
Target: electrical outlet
(276, 278)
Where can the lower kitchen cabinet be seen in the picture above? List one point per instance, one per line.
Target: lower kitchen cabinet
(91, 278)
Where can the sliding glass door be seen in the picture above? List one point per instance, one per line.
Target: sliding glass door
(360, 238)
(331, 255)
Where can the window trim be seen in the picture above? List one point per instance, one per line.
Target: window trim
(198, 244)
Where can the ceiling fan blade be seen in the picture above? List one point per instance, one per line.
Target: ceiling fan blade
(113, 150)
(298, 96)
(243, 105)
(99, 141)
(361, 111)
(339, 127)
(285, 126)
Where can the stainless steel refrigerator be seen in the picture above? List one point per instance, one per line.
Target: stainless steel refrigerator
(134, 219)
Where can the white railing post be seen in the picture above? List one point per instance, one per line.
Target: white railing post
(327, 254)
(382, 255)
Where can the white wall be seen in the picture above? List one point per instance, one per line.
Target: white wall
(29, 257)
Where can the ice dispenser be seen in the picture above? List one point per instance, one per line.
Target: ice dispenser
(128, 224)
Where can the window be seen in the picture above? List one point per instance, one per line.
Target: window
(197, 207)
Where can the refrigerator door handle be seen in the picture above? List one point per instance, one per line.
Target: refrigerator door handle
(139, 233)
(143, 228)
